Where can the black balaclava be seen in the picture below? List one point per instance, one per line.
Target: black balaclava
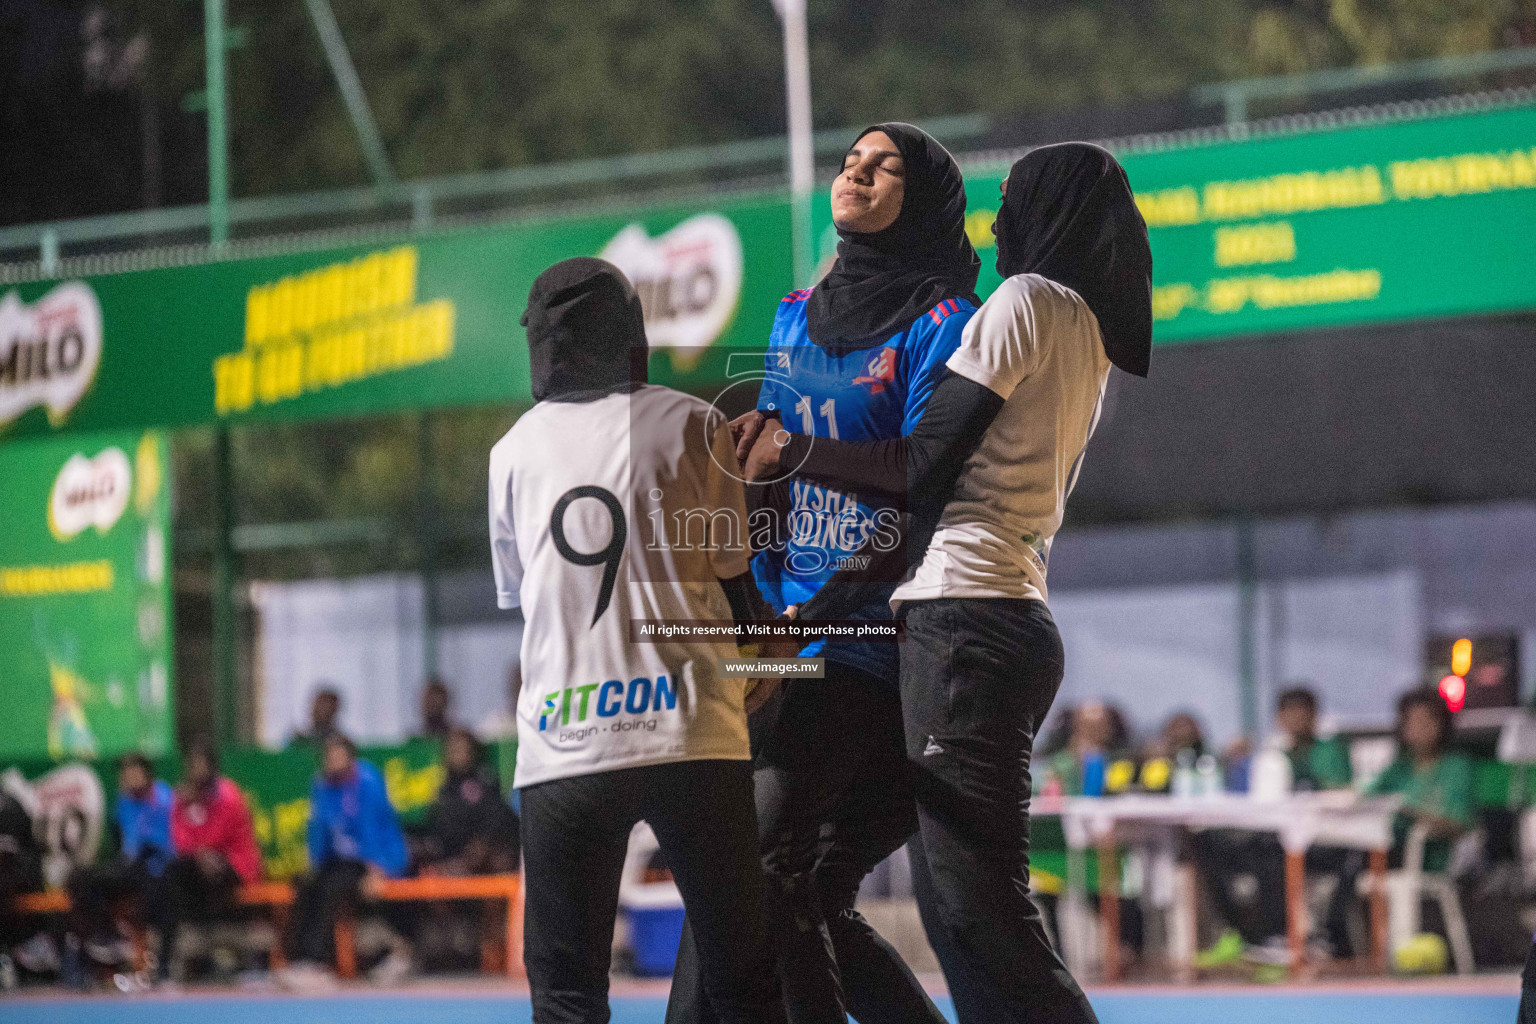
(1069, 216)
(883, 281)
(586, 332)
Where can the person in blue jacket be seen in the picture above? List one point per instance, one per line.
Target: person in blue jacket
(355, 841)
(854, 358)
(142, 814)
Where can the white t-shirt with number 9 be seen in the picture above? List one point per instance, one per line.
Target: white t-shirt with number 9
(623, 508)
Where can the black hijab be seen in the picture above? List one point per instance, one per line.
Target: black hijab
(1069, 216)
(883, 281)
(586, 332)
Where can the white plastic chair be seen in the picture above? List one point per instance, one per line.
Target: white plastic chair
(1408, 887)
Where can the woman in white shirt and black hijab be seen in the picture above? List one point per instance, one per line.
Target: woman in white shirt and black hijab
(986, 475)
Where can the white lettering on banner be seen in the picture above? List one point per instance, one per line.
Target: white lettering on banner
(688, 279)
(49, 351)
(89, 492)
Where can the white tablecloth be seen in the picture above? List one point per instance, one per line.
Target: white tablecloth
(1332, 818)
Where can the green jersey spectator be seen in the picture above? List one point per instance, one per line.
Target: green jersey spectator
(1315, 763)
(1436, 784)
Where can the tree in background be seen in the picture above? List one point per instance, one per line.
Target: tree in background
(469, 85)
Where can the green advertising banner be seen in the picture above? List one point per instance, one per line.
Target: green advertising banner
(1369, 223)
(428, 321)
(85, 598)
(1353, 224)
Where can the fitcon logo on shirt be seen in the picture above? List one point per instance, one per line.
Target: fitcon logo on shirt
(573, 705)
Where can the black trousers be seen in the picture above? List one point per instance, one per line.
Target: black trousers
(323, 897)
(575, 835)
(834, 798)
(977, 680)
(95, 888)
(20, 872)
(182, 892)
(1224, 854)
(188, 892)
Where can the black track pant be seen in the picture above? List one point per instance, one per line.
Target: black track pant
(834, 799)
(575, 835)
(95, 889)
(977, 679)
(322, 898)
(189, 893)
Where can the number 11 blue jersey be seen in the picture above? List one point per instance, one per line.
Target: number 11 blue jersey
(872, 394)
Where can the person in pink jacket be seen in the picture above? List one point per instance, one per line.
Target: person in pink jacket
(214, 841)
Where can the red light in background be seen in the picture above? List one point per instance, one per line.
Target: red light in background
(1454, 689)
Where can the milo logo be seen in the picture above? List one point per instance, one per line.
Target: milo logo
(688, 279)
(89, 492)
(49, 351)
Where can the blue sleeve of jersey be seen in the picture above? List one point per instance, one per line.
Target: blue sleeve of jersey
(924, 361)
(770, 395)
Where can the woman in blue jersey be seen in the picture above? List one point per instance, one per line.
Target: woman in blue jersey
(856, 357)
(986, 475)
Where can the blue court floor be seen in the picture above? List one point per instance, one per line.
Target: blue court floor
(1224, 1007)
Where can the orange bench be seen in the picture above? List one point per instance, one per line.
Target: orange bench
(503, 955)
(497, 956)
(56, 901)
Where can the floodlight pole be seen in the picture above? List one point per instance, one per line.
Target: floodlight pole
(345, 73)
(1247, 626)
(222, 577)
(802, 159)
(218, 134)
(225, 634)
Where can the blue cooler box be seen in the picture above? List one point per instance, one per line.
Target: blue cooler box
(654, 933)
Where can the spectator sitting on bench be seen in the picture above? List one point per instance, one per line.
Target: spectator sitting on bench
(215, 845)
(143, 819)
(471, 829)
(355, 842)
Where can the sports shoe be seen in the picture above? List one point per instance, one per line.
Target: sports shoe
(108, 950)
(306, 978)
(38, 955)
(1225, 951)
(394, 969)
(1275, 952)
